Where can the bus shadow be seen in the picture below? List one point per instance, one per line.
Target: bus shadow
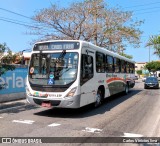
(88, 110)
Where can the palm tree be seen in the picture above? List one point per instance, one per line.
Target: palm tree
(154, 42)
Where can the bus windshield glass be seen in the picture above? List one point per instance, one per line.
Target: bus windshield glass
(53, 68)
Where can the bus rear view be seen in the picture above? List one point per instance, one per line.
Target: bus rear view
(52, 75)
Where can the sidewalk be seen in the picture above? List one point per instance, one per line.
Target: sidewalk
(12, 104)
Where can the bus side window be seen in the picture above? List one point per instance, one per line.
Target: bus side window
(130, 68)
(100, 62)
(127, 67)
(117, 65)
(109, 64)
(123, 66)
(86, 68)
(133, 68)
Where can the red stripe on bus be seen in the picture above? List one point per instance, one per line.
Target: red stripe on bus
(115, 79)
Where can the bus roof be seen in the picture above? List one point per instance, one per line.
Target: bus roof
(89, 44)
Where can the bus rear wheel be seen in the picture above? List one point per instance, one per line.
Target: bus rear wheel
(126, 89)
(99, 98)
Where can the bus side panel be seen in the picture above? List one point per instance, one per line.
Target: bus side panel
(88, 92)
(116, 84)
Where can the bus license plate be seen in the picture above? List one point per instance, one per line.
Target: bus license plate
(46, 105)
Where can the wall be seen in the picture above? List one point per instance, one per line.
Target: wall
(15, 84)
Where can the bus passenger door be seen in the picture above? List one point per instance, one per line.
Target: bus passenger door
(86, 80)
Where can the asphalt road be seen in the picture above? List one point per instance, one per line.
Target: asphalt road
(133, 115)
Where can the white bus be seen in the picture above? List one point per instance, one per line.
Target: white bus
(72, 74)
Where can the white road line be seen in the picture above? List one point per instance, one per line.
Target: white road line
(132, 135)
(54, 125)
(92, 130)
(1, 117)
(23, 121)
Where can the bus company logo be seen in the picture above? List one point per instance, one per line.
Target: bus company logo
(43, 95)
(36, 93)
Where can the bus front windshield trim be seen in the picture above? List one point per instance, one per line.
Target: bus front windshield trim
(53, 68)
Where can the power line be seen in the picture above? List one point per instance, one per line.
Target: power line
(15, 13)
(149, 12)
(147, 9)
(14, 20)
(147, 4)
(26, 25)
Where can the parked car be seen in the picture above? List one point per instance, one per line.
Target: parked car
(144, 78)
(151, 82)
(135, 78)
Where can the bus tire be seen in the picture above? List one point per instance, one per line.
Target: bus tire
(126, 89)
(99, 98)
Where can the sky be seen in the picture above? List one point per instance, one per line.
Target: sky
(17, 39)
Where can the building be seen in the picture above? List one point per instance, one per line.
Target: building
(20, 59)
(140, 65)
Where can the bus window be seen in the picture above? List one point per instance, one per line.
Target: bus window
(117, 65)
(109, 64)
(123, 66)
(127, 67)
(132, 68)
(86, 68)
(100, 62)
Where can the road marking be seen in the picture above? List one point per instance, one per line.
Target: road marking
(54, 125)
(92, 130)
(1, 117)
(132, 135)
(23, 121)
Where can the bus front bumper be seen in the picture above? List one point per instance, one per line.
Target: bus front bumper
(72, 102)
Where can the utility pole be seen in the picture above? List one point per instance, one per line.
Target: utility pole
(149, 53)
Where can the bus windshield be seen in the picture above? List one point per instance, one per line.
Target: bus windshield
(53, 68)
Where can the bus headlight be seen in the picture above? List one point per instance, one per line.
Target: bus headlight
(72, 92)
(28, 91)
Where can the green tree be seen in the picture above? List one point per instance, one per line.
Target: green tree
(139, 72)
(153, 66)
(154, 42)
(5, 66)
(126, 55)
(90, 20)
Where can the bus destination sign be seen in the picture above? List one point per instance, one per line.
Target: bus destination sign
(56, 46)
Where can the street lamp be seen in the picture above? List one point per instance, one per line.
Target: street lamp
(22, 60)
(149, 53)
